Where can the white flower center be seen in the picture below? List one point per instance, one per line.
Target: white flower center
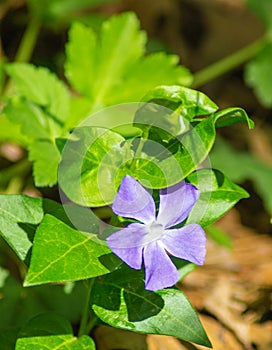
(155, 231)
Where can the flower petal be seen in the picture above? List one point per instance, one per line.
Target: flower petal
(133, 257)
(134, 201)
(132, 236)
(126, 244)
(188, 243)
(160, 272)
(176, 202)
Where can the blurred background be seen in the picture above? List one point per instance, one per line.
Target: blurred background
(226, 44)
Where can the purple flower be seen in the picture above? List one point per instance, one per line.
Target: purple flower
(152, 239)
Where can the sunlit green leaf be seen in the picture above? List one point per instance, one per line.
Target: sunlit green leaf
(68, 342)
(88, 168)
(232, 115)
(120, 300)
(19, 216)
(187, 102)
(46, 158)
(42, 87)
(110, 68)
(217, 195)
(61, 253)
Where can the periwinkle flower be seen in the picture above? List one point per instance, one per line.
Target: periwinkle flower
(151, 240)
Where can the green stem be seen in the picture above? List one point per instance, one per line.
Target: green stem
(29, 40)
(84, 324)
(91, 324)
(26, 47)
(139, 150)
(228, 63)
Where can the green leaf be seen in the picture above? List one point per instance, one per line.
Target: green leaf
(95, 160)
(46, 158)
(88, 167)
(232, 115)
(189, 103)
(61, 253)
(42, 87)
(72, 215)
(240, 166)
(194, 146)
(111, 68)
(48, 323)
(19, 304)
(219, 236)
(262, 9)
(32, 120)
(217, 195)
(147, 73)
(258, 75)
(184, 267)
(5, 131)
(19, 216)
(56, 342)
(120, 45)
(40, 110)
(80, 52)
(120, 300)
(8, 338)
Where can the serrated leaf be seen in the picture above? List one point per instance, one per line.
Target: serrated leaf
(42, 87)
(258, 75)
(31, 119)
(120, 300)
(240, 166)
(46, 158)
(39, 131)
(16, 136)
(148, 73)
(120, 45)
(19, 216)
(110, 68)
(61, 253)
(56, 342)
(80, 67)
(217, 195)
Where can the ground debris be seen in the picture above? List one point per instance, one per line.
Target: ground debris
(234, 289)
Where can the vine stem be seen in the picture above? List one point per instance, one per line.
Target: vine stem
(84, 323)
(26, 47)
(228, 63)
(139, 149)
(28, 41)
